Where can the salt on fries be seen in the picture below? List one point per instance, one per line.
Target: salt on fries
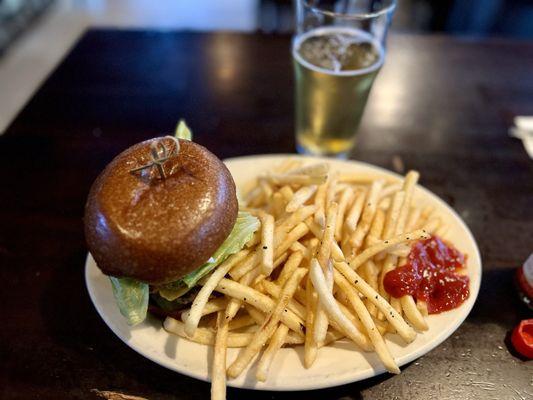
(313, 273)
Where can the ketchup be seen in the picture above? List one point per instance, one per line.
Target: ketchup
(431, 274)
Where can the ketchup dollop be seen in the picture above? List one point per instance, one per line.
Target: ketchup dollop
(431, 274)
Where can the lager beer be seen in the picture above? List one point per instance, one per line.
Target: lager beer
(334, 68)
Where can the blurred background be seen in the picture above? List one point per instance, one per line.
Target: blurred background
(36, 34)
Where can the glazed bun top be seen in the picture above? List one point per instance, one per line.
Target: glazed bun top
(157, 228)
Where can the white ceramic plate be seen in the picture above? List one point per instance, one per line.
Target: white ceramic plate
(335, 365)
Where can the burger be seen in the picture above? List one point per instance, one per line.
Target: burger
(161, 216)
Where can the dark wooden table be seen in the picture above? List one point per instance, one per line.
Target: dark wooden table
(443, 105)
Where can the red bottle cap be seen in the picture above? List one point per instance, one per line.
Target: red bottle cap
(522, 338)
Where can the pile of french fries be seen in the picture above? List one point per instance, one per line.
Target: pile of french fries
(313, 273)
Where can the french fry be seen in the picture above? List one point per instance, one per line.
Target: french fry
(256, 238)
(367, 346)
(330, 190)
(259, 317)
(392, 215)
(268, 327)
(281, 259)
(255, 275)
(404, 330)
(340, 187)
(336, 252)
(218, 374)
(300, 248)
(212, 306)
(396, 304)
(300, 198)
(432, 225)
(389, 190)
(240, 322)
(294, 235)
(293, 262)
(321, 318)
(234, 304)
(384, 203)
(414, 217)
(250, 263)
(202, 297)
(422, 307)
(355, 212)
(413, 314)
(289, 179)
(368, 322)
(388, 265)
(359, 178)
(253, 195)
(331, 306)
(442, 231)
(344, 201)
(369, 210)
(310, 345)
(340, 296)
(287, 193)
(204, 335)
(300, 294)
(371, 273)
(255, 314)
(427, 211)
(324, 252)
(246, 265)
(401, 250)
(331, 336)
(376, 228)
(293, 338)
(266, 188)
(258, 300)
(408, 187)
(275, 291)
(383, 326)
(371, 251)
(287, 165)
(278, 205)
(267, 243)
(268, 356)
(319, 169)
(320, 204)
(328, 238)
(283, 228)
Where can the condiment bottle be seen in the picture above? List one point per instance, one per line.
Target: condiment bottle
(524, 280)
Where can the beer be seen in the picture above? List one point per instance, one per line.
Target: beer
(335, 68)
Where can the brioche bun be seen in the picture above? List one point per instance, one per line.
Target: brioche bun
(154, 229)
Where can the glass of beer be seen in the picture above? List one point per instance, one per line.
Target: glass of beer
(338, 49)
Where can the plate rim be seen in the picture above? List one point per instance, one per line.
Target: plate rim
(372, 372)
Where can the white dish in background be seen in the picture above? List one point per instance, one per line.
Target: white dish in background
(335, 365)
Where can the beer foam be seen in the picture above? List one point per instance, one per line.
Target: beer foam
(356, 35)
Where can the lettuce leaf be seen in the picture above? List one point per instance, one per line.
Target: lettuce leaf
(183, 131)
(131, 297)
(178, 304)
(173, 290)
(243, 230)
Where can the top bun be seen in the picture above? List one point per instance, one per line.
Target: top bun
(154, 229)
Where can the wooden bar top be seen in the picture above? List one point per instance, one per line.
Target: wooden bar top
(442, 105)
